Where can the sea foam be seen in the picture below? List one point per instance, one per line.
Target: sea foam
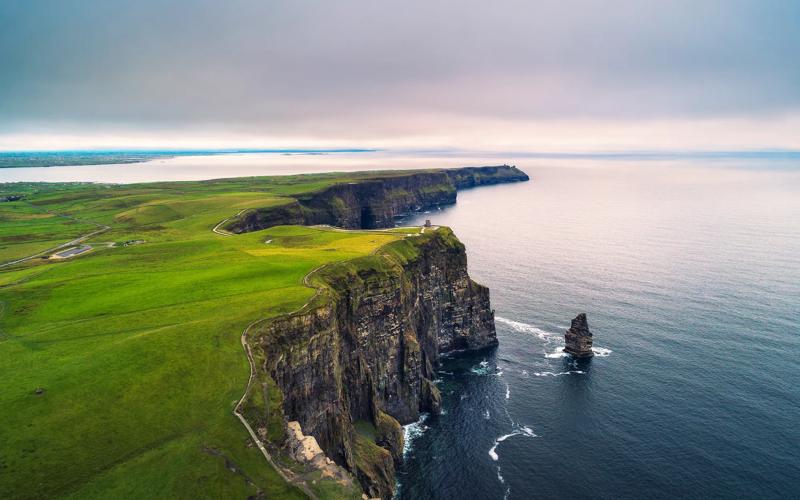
(558, 374)
(525, 328)
(481, 369)
(601, 352)
(519, 431)
(413, 431)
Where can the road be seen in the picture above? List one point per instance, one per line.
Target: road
(76, 241)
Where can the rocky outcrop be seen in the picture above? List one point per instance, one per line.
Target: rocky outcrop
(469, 177)
(578, 339)
(305, 450)
(373, 201)
(360, 360)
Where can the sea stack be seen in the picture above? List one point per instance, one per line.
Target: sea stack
(578, 339)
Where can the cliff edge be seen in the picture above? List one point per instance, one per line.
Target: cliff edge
(359, 360)
(373, 200)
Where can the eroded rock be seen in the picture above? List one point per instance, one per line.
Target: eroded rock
(578, 339)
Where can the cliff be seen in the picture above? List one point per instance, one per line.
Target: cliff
(374, 201)
(359, 360)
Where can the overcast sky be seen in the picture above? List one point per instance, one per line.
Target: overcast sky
(553, 75)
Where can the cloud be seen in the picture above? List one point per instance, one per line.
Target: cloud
(361, 70)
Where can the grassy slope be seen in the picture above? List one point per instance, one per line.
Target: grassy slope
(138, 348)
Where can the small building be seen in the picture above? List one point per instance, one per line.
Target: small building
(427, 223)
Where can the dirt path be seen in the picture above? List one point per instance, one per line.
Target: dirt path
(238, 408)
(222, 231)
(237, 411)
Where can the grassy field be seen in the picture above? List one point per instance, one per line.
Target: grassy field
(121, 367)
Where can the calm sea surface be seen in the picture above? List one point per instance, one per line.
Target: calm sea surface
(690, 276)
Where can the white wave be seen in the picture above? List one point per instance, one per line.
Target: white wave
(525, 328)
(524, 372)
(558, 374)
(558, 354)
(463, 397)
(481, 369)
(487, 415)
(505, 436)
(508, 392)
(500, 373)
(503, 481)
(601, 352)
(413, 431)
(520, 431)
(492, 453)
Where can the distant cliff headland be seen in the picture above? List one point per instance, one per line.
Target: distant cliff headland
(374, 202)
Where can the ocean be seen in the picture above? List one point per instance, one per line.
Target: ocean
(689, 272)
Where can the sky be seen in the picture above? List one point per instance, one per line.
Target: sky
(483, 75)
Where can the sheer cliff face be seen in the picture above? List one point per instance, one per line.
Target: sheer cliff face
(374, 202)
(367, 356)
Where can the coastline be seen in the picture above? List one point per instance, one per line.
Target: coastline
(84, 158)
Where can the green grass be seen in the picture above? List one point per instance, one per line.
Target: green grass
(26, 230)
(137, 348)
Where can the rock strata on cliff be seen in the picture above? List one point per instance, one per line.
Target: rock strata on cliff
(578, 339)
(360, 361)
(375, 201)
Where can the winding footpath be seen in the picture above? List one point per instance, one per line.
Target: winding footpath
(237, 410)
(222, 231)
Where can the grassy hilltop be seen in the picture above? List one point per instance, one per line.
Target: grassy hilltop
(121, 366)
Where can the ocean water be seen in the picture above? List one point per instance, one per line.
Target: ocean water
(689, 272)
(197, 165)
